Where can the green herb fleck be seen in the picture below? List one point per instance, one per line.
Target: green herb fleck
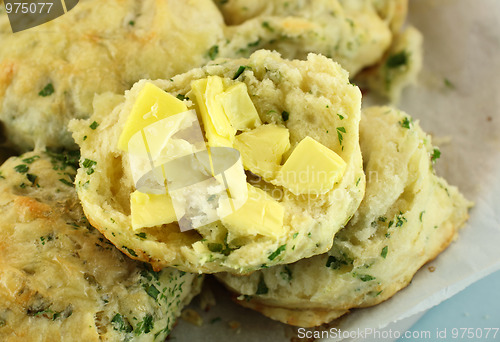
(397, 60)
(121, 324)
(400, 219)
(94, 125)
(141, 235)
(448, 84)
(421, 214)
(131, 23)
(22, 168)
(285, 115)
(295, 235)
(286, 274)
(89, 165)
(406, 123)
(240, 70)
(277, 252)
(145, 326)
(336, 262)
(268, 27)
(364, 277)
(31, 160)
(357, 182)
(213, 52)
(152, 291)
(383, 254)
(47, 90)
(64, 181)
(341, 117)
(130, 251)
(436, 154)
(215, 320)
(182, 97)
(31, 177)
(262, 287)
(382, 218)
(340, 130)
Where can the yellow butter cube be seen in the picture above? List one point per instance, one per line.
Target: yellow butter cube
(148, 210)
(239, 108)
(262, 149)
(261, 214)
(218, 129)
(312, 168)
(152, 104)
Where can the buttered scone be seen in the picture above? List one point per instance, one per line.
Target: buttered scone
(355, 33)
(408, 216)
(236, 166)
(49, 74)
(60, 279)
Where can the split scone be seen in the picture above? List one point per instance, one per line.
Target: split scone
(355, 33)
(275, 172)
(60, 279)
(408, 216)
(49, 74)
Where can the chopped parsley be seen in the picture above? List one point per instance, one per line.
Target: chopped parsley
(336, 262)
(145, 326)
(340, 130)
(400, 219)
(22, 168)
(213, 52)
(94, 125)
(448, 84)
(406, 123)
(130, 251)
(31, 160)
(131, 23)
(182, 97)
(64, 181)
(89, 165)
(47, 90)
(277, 252)
(120, 323)
(268, 27)
(285, 115)
(341, 117)
(215, 320)
(397, 60)
(286, 274)
(152, 291)
(364, 277)
(240, 70)
(262, 287)
(436, 154)
(421, 214)
(141, 235)
(383, 254)
(31, 177)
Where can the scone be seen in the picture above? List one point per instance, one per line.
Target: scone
(408, 216)
(49, 74)
(60, 279)
(280, 118)
(355, 33)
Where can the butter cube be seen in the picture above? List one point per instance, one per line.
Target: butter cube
(218, 129)
(312, 168)
(261, 214)
(239, 108)
(152, 104)
(262, 149)
(150, 210)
